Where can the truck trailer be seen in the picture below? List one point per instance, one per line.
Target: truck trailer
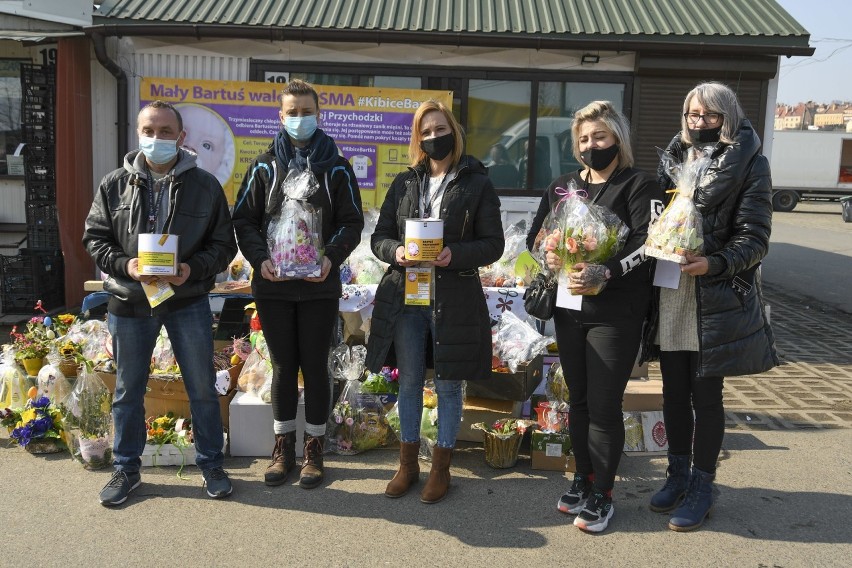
(809, 164)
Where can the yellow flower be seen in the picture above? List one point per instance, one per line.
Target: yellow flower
(28, 414)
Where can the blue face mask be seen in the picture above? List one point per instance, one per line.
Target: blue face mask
(157, 150)
(300, 128)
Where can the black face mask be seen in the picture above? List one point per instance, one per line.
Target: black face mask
(599, 158)
(439, 147)
(702, 136)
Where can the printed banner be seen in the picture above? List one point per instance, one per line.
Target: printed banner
(228, 123)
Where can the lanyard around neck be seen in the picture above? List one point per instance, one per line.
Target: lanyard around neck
(611, 177)
(154, 208)
(428, 203)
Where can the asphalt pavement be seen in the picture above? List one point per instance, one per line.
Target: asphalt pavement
(785, 481)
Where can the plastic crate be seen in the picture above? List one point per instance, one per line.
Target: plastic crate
(40, 191)
(43, 236)
(42, 214)
(39, 172)
(39, 134)
(32, 276)
(32, 74)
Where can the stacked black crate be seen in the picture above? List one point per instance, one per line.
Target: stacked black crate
(37, 273)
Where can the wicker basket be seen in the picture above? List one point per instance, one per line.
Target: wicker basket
(68, 367)
(501, 450)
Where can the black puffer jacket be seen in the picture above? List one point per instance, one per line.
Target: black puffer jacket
(473, 231)
(198, 213)
(734, 197)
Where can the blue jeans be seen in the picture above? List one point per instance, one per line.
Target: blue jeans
(190, 331)
(409, 341)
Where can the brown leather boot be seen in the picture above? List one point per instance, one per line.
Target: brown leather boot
(311, 475)
(438, 483)
(283, 459)
(408, 473)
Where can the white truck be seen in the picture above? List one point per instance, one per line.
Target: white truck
(810, 165)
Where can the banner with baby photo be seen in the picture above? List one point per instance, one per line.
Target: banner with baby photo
(228, 123)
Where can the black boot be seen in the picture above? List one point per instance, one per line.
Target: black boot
(312, 462)
(283, 459)
(697, 504)
(677, 479)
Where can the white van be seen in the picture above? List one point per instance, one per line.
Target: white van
(553, 141)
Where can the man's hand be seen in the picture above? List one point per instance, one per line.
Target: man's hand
(180, 278)
(133, 272)
(326, 268)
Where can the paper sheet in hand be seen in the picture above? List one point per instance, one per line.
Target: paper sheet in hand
(667, 274)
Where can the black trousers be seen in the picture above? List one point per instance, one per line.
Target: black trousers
(299, 336)
(597, 353)
(692, 409)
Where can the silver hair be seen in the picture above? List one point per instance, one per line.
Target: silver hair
(615, 122)
(715, 97)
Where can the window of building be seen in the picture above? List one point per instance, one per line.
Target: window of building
(10, 110)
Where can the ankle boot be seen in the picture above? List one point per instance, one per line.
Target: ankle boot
(438, 484)
(408, 473)
(697, 503)
(677, 479)
(283, 459)
(311, 475)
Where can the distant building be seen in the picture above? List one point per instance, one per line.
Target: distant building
(833, 116)
(798, 117)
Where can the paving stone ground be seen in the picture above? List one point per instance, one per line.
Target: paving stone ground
(812, 388)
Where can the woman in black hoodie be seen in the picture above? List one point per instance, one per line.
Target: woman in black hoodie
(299, 315)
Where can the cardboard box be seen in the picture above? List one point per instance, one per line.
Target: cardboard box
(251, 426)
(169, 454)
(643, 395)
(517, 386)
(170, 396)
(552, 451)
(487, 411)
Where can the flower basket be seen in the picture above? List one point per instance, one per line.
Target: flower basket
(68, 367)
(501, 450)
(45, 446)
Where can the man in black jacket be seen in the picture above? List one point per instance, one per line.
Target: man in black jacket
(160, 190)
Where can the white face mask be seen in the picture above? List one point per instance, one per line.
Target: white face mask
(158, 150)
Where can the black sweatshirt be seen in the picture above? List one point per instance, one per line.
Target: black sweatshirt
(634, 196)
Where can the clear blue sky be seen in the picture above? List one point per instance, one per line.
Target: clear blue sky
(827, 74)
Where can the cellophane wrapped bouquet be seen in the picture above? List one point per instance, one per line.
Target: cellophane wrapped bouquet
(516, 342)
(87, 413)
(677, 231)
(13, 381)
(428, 421)
(94, 339)
(294, 235)
(362, 266)
(357, 421)
(578, 230)
(256, 375)
(502, 273)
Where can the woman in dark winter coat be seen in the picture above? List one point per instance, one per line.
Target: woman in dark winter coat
(442, 183)
(299, 315)
(714, 323)
(598, 342)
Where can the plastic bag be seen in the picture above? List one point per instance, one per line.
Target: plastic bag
(256, 376)
(428, 421)
(294, 235)
(163, 360)
(362, 266)
(516, 342)
(13, 382)
(51, 381)
(357, 421)
(502, 273)
(87, 413)
(94, 337)
(678, 230)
